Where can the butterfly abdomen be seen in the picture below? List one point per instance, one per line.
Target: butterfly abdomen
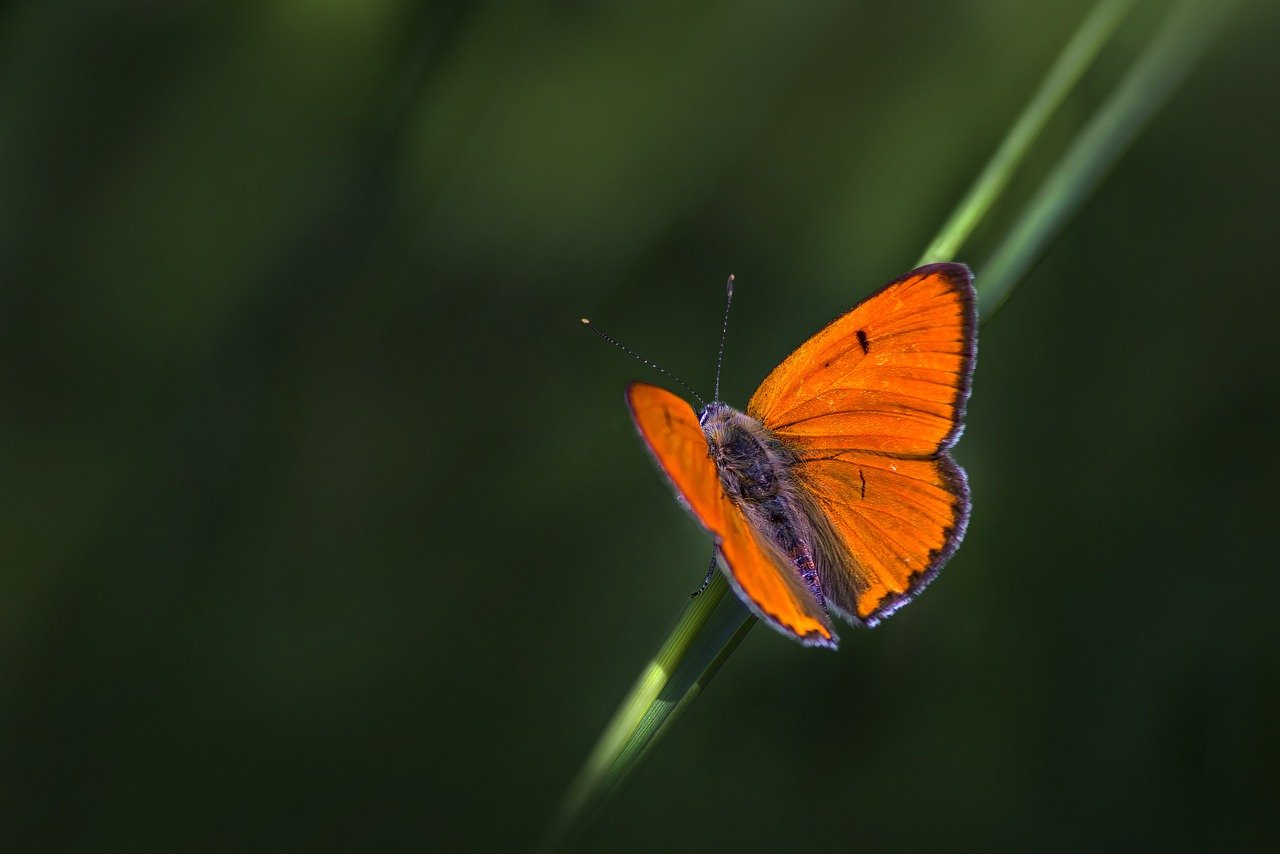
(789, 532)
(755, 473)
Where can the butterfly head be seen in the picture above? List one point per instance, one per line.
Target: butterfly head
(713, 413)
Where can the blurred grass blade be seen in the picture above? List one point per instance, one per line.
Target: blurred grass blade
(1167, 59)
(1076, 57)
(713, 624)
(710, 628)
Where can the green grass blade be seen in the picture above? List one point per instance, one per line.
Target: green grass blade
(710, 628)
(1170, 55)
(713, 624)
(1076, 57)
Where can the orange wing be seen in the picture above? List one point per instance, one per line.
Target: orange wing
(890, 374)
(763, 579)
(891, 523)
(870, 406)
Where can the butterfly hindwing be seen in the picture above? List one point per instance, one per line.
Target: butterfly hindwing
(886, 526)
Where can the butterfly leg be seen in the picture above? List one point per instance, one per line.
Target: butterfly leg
(711, 573)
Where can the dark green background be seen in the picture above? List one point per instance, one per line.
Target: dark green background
(324, 526)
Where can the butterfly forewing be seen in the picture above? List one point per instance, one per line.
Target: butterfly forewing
(763, 578)
(890, 375)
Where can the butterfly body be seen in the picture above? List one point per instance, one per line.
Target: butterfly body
(834, 492)
(754, 467)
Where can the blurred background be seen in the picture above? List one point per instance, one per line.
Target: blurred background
(324, 525)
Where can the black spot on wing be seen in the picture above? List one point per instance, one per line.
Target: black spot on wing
(863, 342)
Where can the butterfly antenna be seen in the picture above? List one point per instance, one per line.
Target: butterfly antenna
(624, 348)
(724, 331)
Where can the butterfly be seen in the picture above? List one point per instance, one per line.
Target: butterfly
(834, 492)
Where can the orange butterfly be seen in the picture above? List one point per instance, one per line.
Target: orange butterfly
(834, 491)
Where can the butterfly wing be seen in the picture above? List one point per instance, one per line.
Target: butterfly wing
(888, 524)
(763, 578)
(870, 405)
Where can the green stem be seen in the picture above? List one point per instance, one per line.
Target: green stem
(1167, 59)
(1071, 64)
(713, 623)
